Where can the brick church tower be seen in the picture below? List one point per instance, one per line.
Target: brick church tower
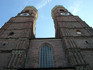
(77, 38)
(14, 38)
(71, 49)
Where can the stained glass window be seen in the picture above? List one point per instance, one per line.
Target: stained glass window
(46, 57)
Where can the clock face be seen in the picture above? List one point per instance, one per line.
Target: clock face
(24, 14)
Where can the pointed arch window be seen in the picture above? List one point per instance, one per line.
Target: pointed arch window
(46, 57)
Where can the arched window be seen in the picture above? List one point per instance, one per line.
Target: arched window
(78, 32)
(65, 14)
(11, 33)
(24, 14)
(46, 57)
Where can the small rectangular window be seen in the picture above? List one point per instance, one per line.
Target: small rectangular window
(26, 11)
(61, 10)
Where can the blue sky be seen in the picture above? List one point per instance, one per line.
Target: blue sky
(44, 23)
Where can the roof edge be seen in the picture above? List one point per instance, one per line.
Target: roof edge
(32, 7)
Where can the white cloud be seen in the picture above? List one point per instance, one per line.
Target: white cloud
(43, 3)
(75, 7)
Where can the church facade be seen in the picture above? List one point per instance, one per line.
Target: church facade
(71, 49)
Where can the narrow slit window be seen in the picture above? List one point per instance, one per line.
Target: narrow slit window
(87, 42)
(4, 44)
